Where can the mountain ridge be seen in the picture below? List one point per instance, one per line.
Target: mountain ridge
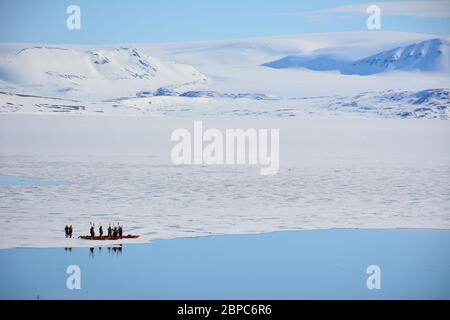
(430, 55)
(65, 70)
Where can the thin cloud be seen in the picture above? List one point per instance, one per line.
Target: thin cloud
(421, 9)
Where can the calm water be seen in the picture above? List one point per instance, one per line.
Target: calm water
(23, 181)
(281, 265)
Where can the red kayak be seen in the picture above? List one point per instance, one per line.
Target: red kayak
(129, 236)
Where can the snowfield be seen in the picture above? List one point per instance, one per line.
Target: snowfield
(334, 173)
(360, 150)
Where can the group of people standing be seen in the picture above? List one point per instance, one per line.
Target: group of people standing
(115, 232)
(69, 231)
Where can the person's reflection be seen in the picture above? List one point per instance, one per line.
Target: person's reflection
(111, 250)
(117, 250)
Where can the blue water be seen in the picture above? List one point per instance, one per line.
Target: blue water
(21, 181)
(324, 264)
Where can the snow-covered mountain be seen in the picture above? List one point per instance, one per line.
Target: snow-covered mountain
(63, 70)
(138, 79)
(429, 55)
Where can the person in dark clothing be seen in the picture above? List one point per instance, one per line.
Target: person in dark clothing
(100, 231)
(66, 229)
(92, 231)
(70, 231)
(115, 232)
(109, 231)
(120, 231)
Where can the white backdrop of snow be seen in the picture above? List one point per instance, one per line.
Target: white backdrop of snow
(338, 168)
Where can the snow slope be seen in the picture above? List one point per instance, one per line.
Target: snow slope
(256, 51)
(429, 55)
(74, 72)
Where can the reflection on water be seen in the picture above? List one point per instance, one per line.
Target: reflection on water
(315, 264)
(113, 250)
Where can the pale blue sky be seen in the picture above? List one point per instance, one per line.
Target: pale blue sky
(114, 21)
